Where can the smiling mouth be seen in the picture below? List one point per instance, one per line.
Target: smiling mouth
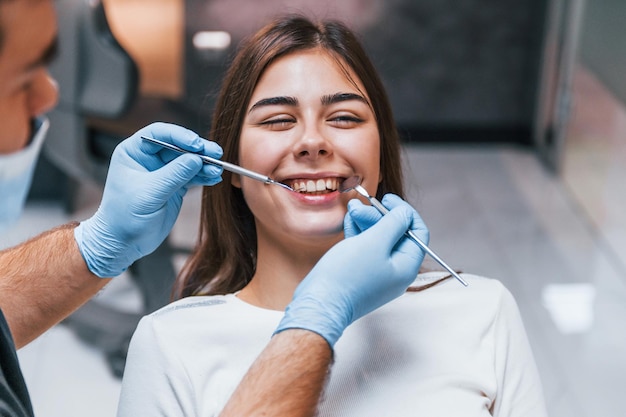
(315, 186)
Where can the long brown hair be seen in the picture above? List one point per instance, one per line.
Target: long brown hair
(225, 257)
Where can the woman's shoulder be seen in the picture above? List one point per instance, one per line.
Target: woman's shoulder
(199, 310)
(434, 278)
(186, 315)
(191, 308)
(202, 320)
(481, 292)
(193, 302)
(448, 311)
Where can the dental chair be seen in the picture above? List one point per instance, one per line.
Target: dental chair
(99, 84)
(97, 79)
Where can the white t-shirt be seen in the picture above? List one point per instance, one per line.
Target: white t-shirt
(445, 351)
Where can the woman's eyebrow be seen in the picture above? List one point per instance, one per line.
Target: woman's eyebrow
(275, 101)
(339, 97)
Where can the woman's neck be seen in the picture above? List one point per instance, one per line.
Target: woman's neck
(280, 268)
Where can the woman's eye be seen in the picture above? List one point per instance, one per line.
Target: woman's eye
(345, 121)
(279, 124)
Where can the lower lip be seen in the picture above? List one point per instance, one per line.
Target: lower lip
(316, 199)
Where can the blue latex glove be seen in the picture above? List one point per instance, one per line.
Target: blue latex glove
(372, 266)
(142, 197)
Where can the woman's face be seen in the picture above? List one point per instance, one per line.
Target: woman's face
(307, 126)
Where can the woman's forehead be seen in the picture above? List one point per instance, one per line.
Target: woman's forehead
(308, 71)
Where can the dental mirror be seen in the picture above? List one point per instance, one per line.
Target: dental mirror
(354, 183)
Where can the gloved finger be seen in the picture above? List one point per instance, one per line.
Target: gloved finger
(211, 149)
(359, 217)
(165, 155)
(417, 225)
(171, 133)
(184, 138)
(407, 255)
(151, 156)
(350, 227)
(391, 227)
(174, 176)
(209, 175)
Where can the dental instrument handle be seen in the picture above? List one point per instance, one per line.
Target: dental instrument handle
(383, 210)
(236, 169)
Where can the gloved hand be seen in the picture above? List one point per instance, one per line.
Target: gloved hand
(142, 197)
(372, 266)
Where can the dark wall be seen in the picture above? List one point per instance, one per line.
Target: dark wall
(448, 65)
(603, 43)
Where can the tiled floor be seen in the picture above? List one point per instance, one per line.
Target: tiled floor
(558, 243)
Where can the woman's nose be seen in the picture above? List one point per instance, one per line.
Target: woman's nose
(312, 145)
(43, 94)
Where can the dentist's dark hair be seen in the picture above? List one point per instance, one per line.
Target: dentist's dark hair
(225, 257)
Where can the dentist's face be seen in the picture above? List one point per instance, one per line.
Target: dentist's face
(310, 126)
(26, 89)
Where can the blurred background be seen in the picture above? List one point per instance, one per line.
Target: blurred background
(513, 124)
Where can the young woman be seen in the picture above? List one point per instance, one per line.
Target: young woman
(303, 104)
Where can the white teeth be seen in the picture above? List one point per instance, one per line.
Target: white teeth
(315, 186)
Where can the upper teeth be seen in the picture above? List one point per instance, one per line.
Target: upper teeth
(312, 186)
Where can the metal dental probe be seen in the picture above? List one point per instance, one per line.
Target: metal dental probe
(354, 183)
(226, 165)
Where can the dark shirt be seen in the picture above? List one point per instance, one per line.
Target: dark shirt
(14, 398)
